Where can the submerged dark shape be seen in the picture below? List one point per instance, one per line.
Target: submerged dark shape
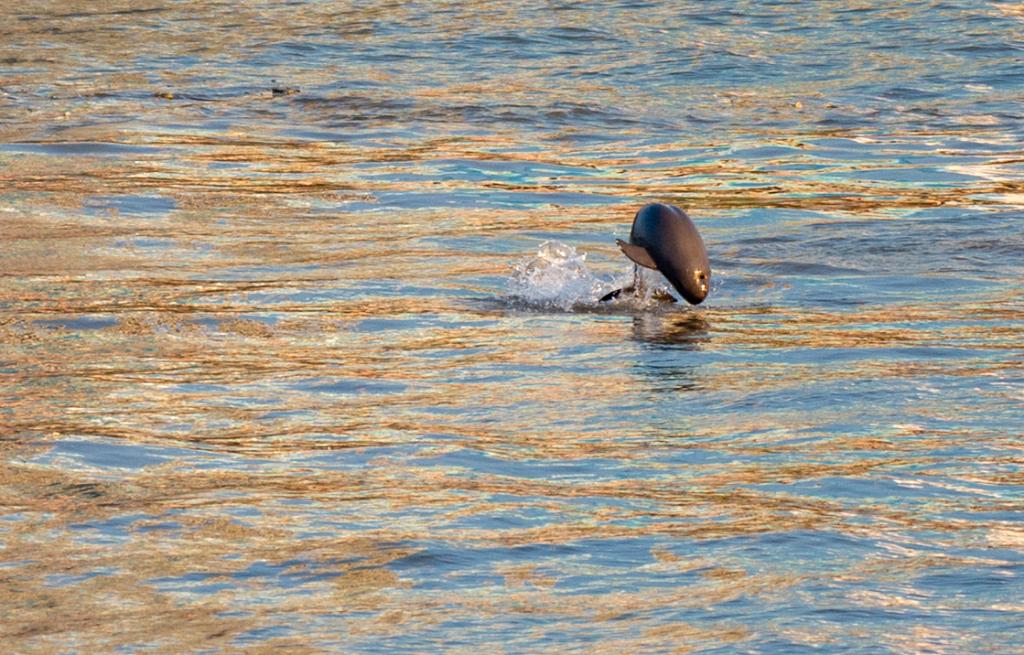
(665, 239)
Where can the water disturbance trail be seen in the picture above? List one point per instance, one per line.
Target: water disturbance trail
(299, 349)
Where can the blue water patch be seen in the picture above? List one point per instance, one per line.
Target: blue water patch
(193, 583)
(72, 148)
(86, 322)
(910, 175)
(144, 243)
(114, 454)
(378, 325)
(134, 205)
(491, 199)
(349, 386)
(64, 580)
(260, 635)
(476, 463)
(113, 530)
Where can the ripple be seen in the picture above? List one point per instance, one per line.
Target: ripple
(326, 370)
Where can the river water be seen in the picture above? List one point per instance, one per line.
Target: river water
(320, 368)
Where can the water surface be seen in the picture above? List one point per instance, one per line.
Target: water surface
(270, 380)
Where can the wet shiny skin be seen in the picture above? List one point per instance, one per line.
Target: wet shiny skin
(672, 243)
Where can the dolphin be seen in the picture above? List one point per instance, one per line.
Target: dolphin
(665, 239)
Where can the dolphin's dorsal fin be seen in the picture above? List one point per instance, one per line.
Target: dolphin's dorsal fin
(637, 253)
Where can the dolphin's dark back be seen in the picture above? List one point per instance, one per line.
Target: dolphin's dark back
(673, 242)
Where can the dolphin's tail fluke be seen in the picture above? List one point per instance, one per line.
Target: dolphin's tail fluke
(612, 295)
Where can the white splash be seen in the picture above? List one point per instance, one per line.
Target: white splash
(651, 288)
(557, 277)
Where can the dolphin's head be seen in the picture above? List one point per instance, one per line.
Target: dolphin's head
(692, 283)
(675, 248)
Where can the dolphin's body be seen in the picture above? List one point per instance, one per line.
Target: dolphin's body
(665, 239)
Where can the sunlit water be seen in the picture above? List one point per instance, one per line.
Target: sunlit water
(322, 370)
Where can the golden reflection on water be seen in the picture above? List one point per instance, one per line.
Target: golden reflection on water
(224, 351)
(124, 382)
